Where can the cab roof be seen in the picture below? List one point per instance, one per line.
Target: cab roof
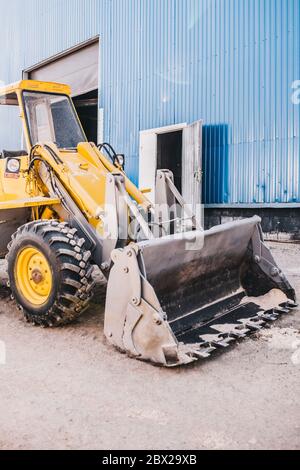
(33, 85)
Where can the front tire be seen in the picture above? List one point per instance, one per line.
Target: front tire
(49, 271)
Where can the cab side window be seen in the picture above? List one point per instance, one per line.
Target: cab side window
(11, 132)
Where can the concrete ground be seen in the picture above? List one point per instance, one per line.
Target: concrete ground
(66, 389)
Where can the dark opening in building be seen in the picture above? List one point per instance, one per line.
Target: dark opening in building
(77, 67)
(87, 108)
(169, 155)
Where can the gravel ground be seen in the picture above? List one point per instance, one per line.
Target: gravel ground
(66, 389)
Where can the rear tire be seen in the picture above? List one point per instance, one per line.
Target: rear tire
(49, 271)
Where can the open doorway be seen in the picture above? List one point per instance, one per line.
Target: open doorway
(169, 155)
(87, 109)
(177, 148)
(77, 67)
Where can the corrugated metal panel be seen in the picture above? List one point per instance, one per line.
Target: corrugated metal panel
(35, 30)
(262, 50)
(229, 62)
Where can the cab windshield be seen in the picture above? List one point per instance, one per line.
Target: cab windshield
(51, 118)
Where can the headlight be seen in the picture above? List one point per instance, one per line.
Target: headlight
(13, 165)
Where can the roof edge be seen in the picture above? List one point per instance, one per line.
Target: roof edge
(34, 85)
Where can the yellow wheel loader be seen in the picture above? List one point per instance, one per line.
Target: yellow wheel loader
(175, 293)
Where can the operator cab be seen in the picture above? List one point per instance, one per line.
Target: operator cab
(47, 113)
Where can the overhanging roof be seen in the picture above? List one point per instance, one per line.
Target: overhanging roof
(34, 85)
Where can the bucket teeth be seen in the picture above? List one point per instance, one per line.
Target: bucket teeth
(239, 332)
(290, 304)
(199, 351)
(202, 354)
(222, 342)
(255, 326)
(236, 335)
(219, 334)
(232, 330)
(216, 340)
(281, 310)
(210, 349)
(269, 315)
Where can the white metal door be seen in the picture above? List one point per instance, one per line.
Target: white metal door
(147, 163)
(148, 156)
(192, 163)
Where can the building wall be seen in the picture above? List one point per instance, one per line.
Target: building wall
(229, 62)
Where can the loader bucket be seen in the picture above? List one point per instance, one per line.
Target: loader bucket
(171, 301)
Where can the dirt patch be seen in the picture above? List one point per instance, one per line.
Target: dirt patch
(268, 301)
(286, 339)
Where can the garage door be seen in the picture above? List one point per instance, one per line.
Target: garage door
(79, 69)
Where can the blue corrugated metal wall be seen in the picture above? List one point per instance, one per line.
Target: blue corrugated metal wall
(230, 62)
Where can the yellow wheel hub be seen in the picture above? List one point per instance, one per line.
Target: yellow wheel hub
(33, 276)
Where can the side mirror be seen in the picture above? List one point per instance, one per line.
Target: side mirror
(119, 160)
